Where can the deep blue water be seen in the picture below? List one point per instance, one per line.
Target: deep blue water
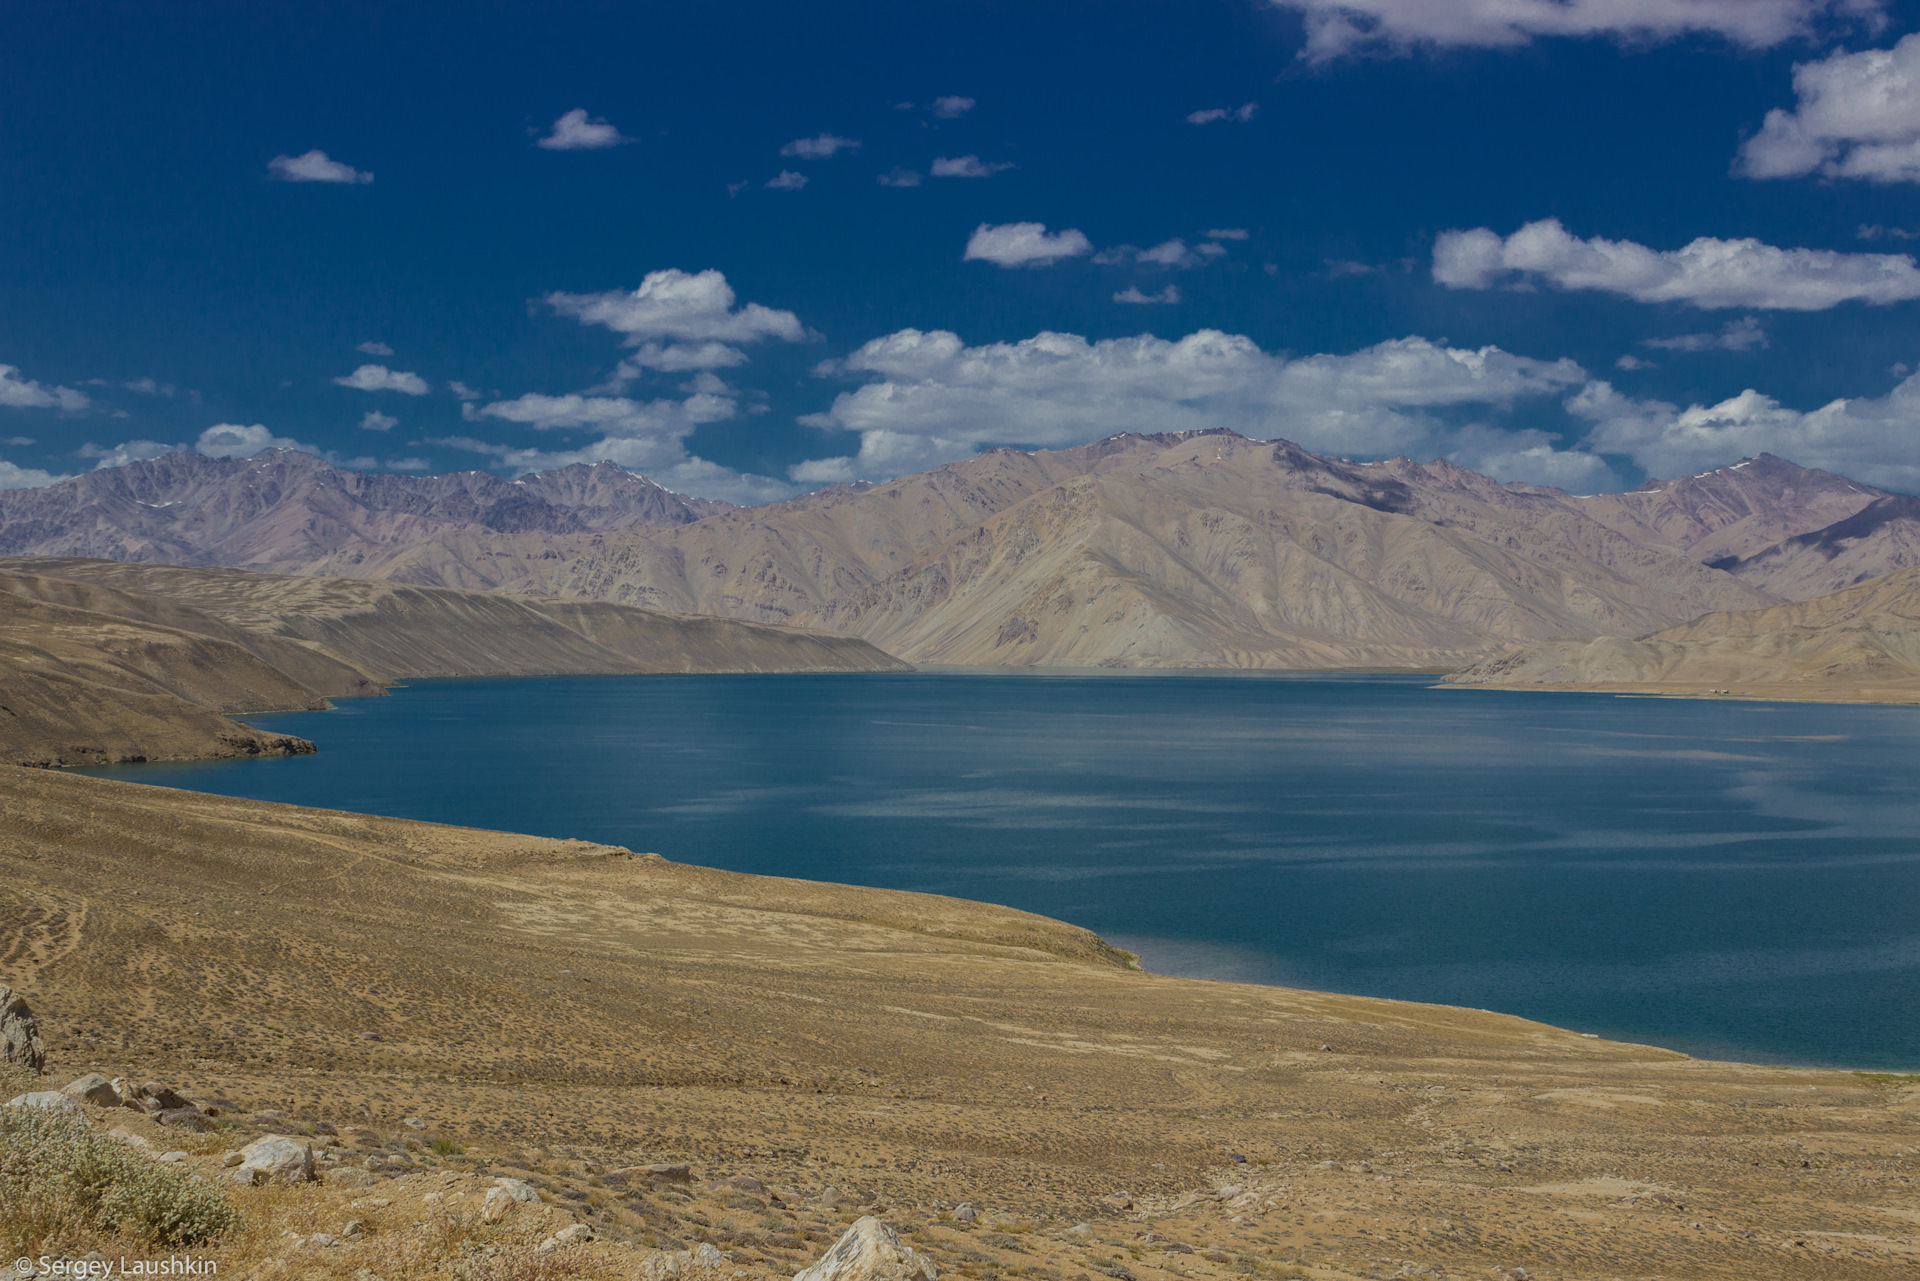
(1730, 879)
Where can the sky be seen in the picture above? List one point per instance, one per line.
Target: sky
(750, 249)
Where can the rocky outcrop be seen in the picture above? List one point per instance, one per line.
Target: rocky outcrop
(20, 1043)
(870, 1251)
(274, 1159)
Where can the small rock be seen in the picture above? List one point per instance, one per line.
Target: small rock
(1117, 1201)
(184, 1118)
(166, 1096)
(518, 1190)
(1327, 1049)
(1175, 1247)
(1236, 1158)
(274, 1159)
(48, 1099)
(870, 1251)
(966, 1212)
(1515, 1274)
(127, 1138)
(578, 1234)
(1081, 1229)
(835, 1198)
(706, 1255)
(664, 1173)
(172, 1158)
(232, 1159)
(347, 1176)
(323, 1239)
(353, 1231)
(739, 1183)
(1227, 1193)
(414, 1123)
(19, 1032)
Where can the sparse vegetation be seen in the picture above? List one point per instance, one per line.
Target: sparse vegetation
(62, 1184)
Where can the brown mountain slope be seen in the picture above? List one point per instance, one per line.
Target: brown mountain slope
(1880, 538)
(108, 661)
(1202, 549)
(564, 1012)
(282, 505)
(1862, 644)
(1732, 511)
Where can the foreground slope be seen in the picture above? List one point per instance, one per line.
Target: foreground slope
(563, 1010)
(1862, 644)
(1183, 549)
(109, 661)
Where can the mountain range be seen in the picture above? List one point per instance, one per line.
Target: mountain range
(1177, 549)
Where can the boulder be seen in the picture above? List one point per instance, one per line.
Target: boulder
(966, 1212)
(1117, 1201)
(707, 1255)
(663, 1173)
(19, 1032)
(92, 1088)
(166, 1096)
(870, 1251)
(740, 1183)
(578, 1234)
(518, 1190)
(496, 1205)
(48, 1099)
(274, 1159)
(834, 1198)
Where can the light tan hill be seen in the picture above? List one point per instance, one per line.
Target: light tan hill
(1862, 644)
(561, 1012)
(1200, 549)
(108, 661)
(1880, 538)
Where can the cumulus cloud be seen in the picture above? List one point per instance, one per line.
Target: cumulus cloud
(1529, 456)
(1857, 116)
(968, 167)
(1171, 294)
(1212, 115)
(461, 390)
(380, 378)
(149, 387)
(23, 393)
(373, 348)
(899, 177)
(1743, 334)
(786, 180)
(935, 399)
(14, 477)
(1706, 272)
(374, 420)
(1340, 27)
(315, 166)
(820, 147)
(574, 131)
(952, 107)
(231, 440)
(1874, 439)
(680, 307)
(1024, 244)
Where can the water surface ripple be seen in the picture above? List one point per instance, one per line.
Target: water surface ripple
(1730, 879)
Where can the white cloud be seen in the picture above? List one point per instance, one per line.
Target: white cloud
(1242, 113)
(1528, 456)
(679, 305)
(1858, 116)
(1743, 334)
(1631, 363)
(899, 177)
(1131, 293)
(409, 464)
(936, 399)
(1024, 244)
(1175, 253)
(952, 107)
(12, 477)
(461, 390)
(373, 348)
(21, 441)
(821, 147)
(1339, 27)
(968, 167)
(130, 451)
(679, 357)
(148, 387)
(374, 420)
(1705, 273)
(574, 131)
(314, 166)
(380, 378)
(786, 180)
(1226, 233)
(231, 440)
(1876, 440)
(1874, 231)
(23, 393)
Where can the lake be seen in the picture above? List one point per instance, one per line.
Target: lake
(1737, 880)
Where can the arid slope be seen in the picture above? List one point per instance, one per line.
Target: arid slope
(567, 1008)
(83, 641)
(1862, 644)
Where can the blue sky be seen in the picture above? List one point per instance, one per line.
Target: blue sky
(750, 248)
